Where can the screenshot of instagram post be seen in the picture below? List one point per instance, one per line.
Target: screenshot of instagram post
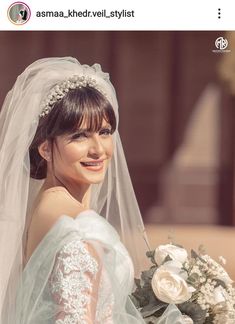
(117, 162)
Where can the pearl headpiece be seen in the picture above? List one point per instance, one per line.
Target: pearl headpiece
(61, 89)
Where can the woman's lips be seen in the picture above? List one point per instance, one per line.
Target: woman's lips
(93, 166)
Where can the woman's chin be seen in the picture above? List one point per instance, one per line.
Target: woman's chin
(97, 180)
(94, 179)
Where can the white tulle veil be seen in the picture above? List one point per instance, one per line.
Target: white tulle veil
(113, 199)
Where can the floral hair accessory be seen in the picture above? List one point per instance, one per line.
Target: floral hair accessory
(61, 89)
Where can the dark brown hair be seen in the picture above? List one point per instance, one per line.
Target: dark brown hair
(66, 116)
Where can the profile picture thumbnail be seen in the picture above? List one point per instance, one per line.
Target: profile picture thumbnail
(18, 13)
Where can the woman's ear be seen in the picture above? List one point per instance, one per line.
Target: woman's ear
(44, 150)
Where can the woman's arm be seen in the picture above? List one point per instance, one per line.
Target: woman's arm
(74, 283)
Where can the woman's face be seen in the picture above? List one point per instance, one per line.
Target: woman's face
(83, 157)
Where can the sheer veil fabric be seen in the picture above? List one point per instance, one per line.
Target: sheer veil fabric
(113, 199)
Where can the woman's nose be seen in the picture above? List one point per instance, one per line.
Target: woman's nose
(96, 146)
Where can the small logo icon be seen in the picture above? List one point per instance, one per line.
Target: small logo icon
(221, 44)
(18, 13)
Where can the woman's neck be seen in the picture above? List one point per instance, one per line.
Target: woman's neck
(80, 192)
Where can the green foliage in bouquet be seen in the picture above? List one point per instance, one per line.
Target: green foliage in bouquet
(144, 298)
(196, 284)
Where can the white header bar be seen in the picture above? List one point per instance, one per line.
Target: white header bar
(117, 15)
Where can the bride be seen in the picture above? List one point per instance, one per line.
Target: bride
(67, 206)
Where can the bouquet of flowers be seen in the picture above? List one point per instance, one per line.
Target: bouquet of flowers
(199, 287)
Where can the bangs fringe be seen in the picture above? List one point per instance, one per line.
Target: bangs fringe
(84, 105)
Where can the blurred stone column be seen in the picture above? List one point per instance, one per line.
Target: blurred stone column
(227, 76)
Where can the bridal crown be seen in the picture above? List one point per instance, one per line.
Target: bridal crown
(61, 89)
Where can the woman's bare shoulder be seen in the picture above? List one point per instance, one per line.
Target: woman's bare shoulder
(51, 206)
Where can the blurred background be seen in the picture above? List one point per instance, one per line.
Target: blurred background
(177, 113)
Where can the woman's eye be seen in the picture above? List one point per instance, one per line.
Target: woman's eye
(105, 131)
(79, 136)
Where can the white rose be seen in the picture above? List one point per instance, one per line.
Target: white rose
(170, 287)
(174, 266)
(174, 252)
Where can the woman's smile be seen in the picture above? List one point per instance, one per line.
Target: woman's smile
(93, 165)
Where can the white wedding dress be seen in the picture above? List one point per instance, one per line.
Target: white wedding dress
(79, 273)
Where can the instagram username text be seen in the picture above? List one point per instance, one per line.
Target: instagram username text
(86, 14)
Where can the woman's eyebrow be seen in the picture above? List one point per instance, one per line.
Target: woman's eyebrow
(78, 131)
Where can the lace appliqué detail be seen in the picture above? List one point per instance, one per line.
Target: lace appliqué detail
(71, 282)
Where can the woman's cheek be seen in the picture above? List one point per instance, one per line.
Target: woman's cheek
(73, 152)
(110, 147)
